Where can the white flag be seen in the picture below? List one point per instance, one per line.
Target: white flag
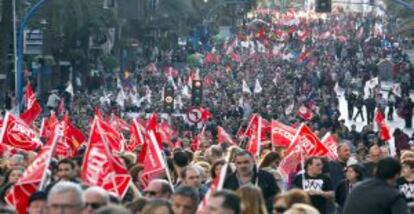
(372, 83)
(69, 89)
(396, 89)
(186, 92)
(120, 98)
(245, 87)
(171, 81)
(257, 87)
(337, 89)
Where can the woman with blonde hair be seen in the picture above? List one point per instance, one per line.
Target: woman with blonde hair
(252, 200)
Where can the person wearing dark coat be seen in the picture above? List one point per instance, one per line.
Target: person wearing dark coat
(407, 108)
(359, 103)
(247, 174)
(354, 174)
(378, 195)
(350, 98)
(370, 105)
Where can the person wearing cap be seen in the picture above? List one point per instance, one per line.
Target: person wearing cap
(37, 203)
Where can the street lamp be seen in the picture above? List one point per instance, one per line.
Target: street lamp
(18, 48)
(43, 23)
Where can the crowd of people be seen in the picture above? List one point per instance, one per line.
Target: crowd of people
(294, 61)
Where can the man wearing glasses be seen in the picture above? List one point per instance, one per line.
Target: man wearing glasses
(158, 189)
(95, 198)
(65, 197)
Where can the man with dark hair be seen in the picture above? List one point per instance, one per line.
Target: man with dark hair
(316, 184)
(37, 203)
(180, 160)
(158, 189)
(378, 195)
(247, 173)
(191, 176)
(185, 200)
(65, 170)
(337, 167)
(224, 202)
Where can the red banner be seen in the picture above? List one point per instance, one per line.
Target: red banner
(32, 179)
(282, 135)
(223, 136)
(100, 167)
(384, 132)
(154, 162)
(33, 109)
(18, 134)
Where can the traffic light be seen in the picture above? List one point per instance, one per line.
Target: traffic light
(323, 6)
(169, 99)
(197, 92)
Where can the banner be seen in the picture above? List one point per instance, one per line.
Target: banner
(100, 167)
(281, 134)
(18, 134)
(34, 177)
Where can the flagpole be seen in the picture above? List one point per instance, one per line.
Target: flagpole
(259, 137)
(57, 134)
(302, 166)
(3, 130)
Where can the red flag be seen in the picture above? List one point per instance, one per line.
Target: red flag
(48, 125)
(33, 109)
(119, 124)
(33, 179)
(235, 57)
(205, 114)
(154, 162)
(16, 133)
(115, 139)
(211, 58)
(152, 124)
(223, 136)
(384, 132)
(74, 133)
(208, 81)
(151, 68)
(167, 133)
(137, 131)
(68, 145)
(240, 133)
(329, 141)
(254, 143)
(306, 143)
(100, 167)
(306, 140)
(305, 113)
(195, 142)
(266, 129)
(282, 135)
(253, 123)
